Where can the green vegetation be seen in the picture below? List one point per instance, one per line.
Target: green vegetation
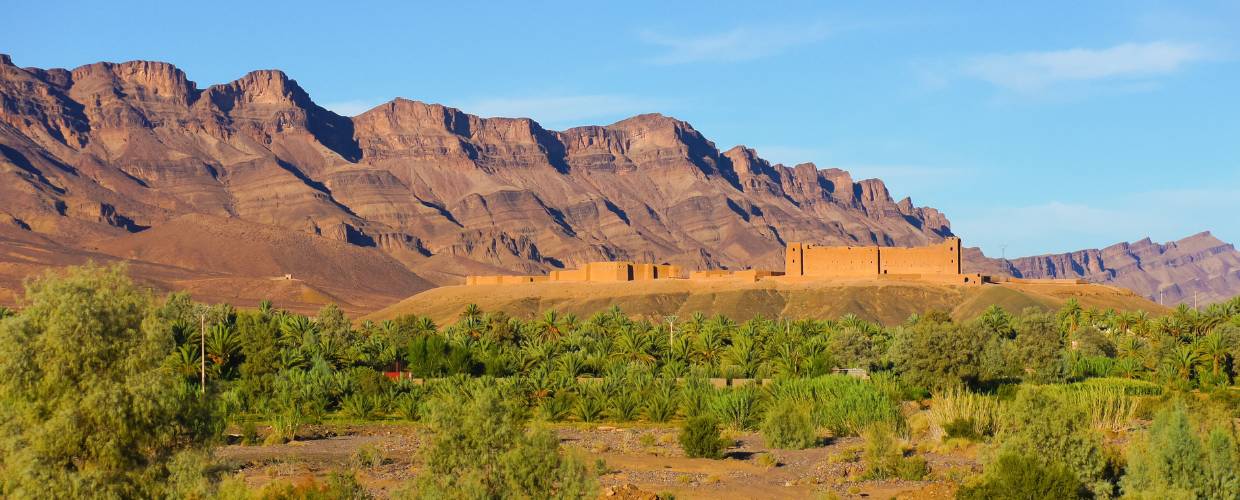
(700, 438)
(1173, 460)
(88, 406)
(100, 391)
(788, 426)
(479, 448)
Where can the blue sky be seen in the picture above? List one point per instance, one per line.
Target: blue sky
(1049, 127)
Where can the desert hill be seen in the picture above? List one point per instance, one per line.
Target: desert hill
(886, 302)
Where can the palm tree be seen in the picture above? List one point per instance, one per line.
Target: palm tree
(634, 346)
(222, 344)
(471, 311)
(1182, 360)
(1214, 347)
(296, 330)
(743, 356)
(550, 325)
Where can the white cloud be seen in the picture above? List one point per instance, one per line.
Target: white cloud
(738, 44)
(562, 110)
(352, 107)
(1032, 71)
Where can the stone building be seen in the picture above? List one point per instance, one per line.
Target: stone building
(938, 262)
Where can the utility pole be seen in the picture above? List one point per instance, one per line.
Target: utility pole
(202, 353)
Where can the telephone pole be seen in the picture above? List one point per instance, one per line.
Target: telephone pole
(202, 352)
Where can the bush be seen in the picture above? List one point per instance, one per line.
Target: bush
(845, 405)
(788, 426)
(479, 448)
(1170, 460)
(367, 456)
(249, 433)
(884, 457)
(699, 438)
(360, 406)
(661, 402)
(88, 404)
(963, 414)
(589, 404)
(409, 406)
(738, 408)
(1020, 477)
(1042, 419)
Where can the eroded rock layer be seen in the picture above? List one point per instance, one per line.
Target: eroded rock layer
(108, 150)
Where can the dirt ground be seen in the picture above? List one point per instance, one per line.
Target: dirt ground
(640, 460)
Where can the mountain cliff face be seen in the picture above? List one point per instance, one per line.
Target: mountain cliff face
(1198, 269)
(107, 150)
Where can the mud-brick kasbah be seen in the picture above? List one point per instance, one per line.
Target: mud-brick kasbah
(938, 263)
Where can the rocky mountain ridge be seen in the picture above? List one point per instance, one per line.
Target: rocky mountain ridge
(1198, 269)
(107, 150)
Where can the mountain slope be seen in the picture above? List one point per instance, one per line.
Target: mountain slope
(113, 149)
(1198, 269)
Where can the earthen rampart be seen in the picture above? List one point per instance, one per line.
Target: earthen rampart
(593, 272)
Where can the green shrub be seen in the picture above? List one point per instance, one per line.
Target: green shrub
(367, 456)
(623, 405)
(883, 455)
(788, 426)
(589, 404)
(409, 406)
(1170, 460)
(88, 404)
(1042, 419)
(737, 408)
(556, 407)
(845, 405)
(249, 433)
(360, 406)
(1020, 477)
(479, 448)
(661, 402)
(962, 428)
(696, 397)
(699, 438)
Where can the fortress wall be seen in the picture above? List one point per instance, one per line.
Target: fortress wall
(828, 262)
(749, 275)
(943, 258)
(569, 275)
(665, 271)
(590, 272)
(609, 271)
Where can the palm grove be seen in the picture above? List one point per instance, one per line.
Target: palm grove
(100, 392)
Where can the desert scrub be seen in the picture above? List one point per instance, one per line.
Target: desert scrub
(963, 414)
(788, 426)
(884, 456)
(699, 438)
(367, 456)
(1016, 476)
(249, 433)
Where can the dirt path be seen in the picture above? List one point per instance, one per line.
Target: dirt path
(645, 456)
